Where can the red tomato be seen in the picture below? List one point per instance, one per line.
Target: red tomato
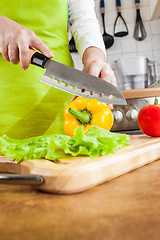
(149, 120)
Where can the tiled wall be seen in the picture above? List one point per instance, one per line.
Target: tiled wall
(128, 46)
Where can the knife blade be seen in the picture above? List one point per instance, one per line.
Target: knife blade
(77, 82)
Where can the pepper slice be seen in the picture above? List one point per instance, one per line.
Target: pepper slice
(87, 112)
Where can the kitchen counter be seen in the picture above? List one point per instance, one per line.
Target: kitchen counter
(126, 208)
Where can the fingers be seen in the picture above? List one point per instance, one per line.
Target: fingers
(24, 54)
(33, 42)
(13, 53)
(4, 50)
(13, 48)
(4, 42)
(15, 42)
(102, 70)
(108, 74)
(94, 68)
(38, 44)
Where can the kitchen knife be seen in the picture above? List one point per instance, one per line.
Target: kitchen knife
(76, 82)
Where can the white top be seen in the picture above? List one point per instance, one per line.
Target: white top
(84, 25)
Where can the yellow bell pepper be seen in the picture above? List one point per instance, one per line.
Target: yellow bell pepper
(86, 112)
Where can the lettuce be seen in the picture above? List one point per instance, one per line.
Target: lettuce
(95, 142)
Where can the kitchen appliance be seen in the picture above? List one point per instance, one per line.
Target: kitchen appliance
(76, 174)
(136, 72)
(125, 117)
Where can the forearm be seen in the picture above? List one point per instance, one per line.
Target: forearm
(89, 41)
(85, 26)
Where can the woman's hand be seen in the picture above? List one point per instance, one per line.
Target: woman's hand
(100, 69)
(95, 64)
(15, 41)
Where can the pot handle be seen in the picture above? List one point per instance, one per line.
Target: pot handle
(21, 179)
(152, 65)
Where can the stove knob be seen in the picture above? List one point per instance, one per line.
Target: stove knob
(132, 115)
(118, 116)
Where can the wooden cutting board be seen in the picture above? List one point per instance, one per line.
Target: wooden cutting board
(76, 174)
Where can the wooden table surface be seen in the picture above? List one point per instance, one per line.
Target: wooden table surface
(126, 208)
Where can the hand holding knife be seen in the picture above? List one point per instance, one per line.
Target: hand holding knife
(76, 82)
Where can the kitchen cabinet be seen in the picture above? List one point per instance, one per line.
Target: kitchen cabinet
(156, 12)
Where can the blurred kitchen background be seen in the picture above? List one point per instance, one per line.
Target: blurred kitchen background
(127, 46)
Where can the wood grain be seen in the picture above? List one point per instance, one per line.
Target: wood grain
(74, 175)
(141, 93)
(126, 208)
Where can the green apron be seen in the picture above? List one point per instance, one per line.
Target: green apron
(29, 107)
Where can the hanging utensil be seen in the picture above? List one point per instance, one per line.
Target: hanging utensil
(118, 18)
(72, 45)
(139, 31)
(108, 39)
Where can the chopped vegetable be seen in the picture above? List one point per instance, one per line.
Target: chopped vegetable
(87, 112)
(95, 142)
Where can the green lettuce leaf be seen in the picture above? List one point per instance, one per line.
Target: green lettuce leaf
(95, 142)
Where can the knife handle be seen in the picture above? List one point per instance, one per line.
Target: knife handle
(36, 58)
(21, 179)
